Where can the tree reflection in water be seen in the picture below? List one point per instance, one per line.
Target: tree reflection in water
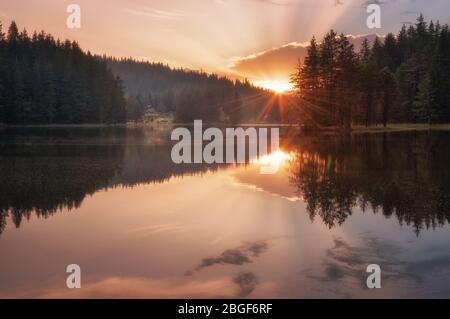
(45, 171)
(399, 174)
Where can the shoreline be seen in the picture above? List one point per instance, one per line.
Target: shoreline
(400, 128)
(355, 129)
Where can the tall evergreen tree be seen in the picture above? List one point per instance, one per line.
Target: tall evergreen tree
(388, 93)
(403, 79)
(43, 81)
(391, 52)
(423, 101)
(2, 74)
(364, 53)
(346, 65)
(377, 53)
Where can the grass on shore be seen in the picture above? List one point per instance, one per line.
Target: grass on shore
(159, 122)
(64, 126)
(400, 127)
(165, 123)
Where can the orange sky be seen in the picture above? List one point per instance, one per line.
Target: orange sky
(258, 39)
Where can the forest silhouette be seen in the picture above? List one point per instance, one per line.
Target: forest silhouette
(47, 81)
(402, 78)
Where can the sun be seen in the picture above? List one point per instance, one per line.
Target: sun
(275, 160)
(278, 86)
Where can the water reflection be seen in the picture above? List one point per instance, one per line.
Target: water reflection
(238, 256)
(140, 226)
(45, 171)
(344, 261)
(403, 175)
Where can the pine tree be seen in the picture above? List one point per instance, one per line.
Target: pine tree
(423, 102)
(309, 77)
(421, 27)
(18, 108)
(440, 74)
(328, 72)
(2, 35)
(391, 52)
(405, 78)
(48, 103)
(346, 64)
(403, 44)
(377, 53)
(2, 75)
(368, 92)
(364, 54)
(46, 81)
(388, 93)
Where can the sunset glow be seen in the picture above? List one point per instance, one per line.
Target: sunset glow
(276, 86)
(224, 158)
(257, 40)
(276, 159)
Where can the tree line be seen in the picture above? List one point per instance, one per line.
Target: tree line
(46, 81)
(401, 78)
(187, 94)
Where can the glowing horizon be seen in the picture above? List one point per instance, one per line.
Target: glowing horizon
(253, 39)
(277, 86)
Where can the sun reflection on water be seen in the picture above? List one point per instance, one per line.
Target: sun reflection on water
(276, 159)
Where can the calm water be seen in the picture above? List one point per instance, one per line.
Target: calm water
(112, 201)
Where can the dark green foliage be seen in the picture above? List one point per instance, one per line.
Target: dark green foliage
(45, 81)
(404, 78)
(423, 102)
(188, 94)
(388, 93)
(401, 175)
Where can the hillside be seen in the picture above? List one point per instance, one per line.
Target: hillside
(189, 94)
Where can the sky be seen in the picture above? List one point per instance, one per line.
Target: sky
(256, 39)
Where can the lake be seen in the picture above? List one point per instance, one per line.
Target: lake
(112, 201)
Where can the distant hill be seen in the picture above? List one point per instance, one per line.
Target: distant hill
(47, 81)
(188, 94)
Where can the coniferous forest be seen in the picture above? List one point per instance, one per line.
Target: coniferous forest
(46, 81)
(403, 79)
(188, 94)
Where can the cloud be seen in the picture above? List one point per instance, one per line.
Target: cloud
(231, 257)
(274, 63)
(280, 63)
(158, 13)
(155, 229)
(365, 3)
(266, 2)
(278, 2)
(135, 287)
(412, 12)
(345, 264)
(246, 282)
(237, 256)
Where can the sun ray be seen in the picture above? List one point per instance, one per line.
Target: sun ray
(276, 86)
